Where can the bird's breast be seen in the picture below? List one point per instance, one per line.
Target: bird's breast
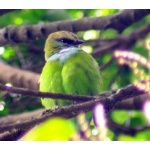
(64, 54)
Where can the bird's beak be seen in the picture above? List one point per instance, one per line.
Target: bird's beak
(78, 42)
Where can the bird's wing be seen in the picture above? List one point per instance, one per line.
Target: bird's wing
(51, 81)
(81, 75)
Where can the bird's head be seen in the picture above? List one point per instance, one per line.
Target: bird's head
(60, 40)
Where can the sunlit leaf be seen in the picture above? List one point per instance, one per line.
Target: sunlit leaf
(8, 53)
(138, 119)
(120, 117)
(55, 129)
(127, 138)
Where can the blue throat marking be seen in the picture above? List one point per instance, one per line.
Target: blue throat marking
(64, 54)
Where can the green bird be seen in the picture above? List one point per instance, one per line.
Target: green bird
(68, 69)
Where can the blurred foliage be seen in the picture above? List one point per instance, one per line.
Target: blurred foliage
(30, 56)
(132, 118)
(54, 129)
(140, 136)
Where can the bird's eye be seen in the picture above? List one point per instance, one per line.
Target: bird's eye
(66, 41)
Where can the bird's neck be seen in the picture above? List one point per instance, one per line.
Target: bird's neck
(64, 54)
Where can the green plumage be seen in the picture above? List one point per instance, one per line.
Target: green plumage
(78, 75)
(68, 69)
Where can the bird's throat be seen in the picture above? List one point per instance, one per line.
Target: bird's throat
(64, 54)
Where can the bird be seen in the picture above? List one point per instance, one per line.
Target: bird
(68, 69)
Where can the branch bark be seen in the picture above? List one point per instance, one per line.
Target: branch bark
(18, 77)
(123, 42)
(73, 110)
(135, 103)
(20, 117)
(119, 21)
(33, 93)
(22, 78)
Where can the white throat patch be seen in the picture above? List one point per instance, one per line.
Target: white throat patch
(64, 54)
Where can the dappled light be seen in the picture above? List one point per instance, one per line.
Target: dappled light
(75, 75)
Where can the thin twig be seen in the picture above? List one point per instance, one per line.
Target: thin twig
(122, 42)
(27, 92)
(21, 59)
(114, 77)
(102, 67)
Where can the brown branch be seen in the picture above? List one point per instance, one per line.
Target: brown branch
(11, 135)
(102, 67)
(20, 117)
(32, 93)
(15, 134)
(18, 77)
(74, 110)
(21, 79)
(135, 103)
(123, 42)
(20, 57)
(119, 21)
(114, 77)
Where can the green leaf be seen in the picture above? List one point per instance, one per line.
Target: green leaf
(8, 53)
(140, 136)
(55, 129)
(127, 138)
(145, 135)
(137, 119)
(120, 117)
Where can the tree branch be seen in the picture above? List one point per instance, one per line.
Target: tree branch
(102, 67)
(18, 77)
(123, 42)
(119, 21)
(11, 135)
(32, 93)
(73, 110)
(135, 103)
(27, 79)
(20, 117)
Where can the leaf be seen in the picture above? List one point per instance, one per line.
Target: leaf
(120, 117)
(127, 138)
(54, 129)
